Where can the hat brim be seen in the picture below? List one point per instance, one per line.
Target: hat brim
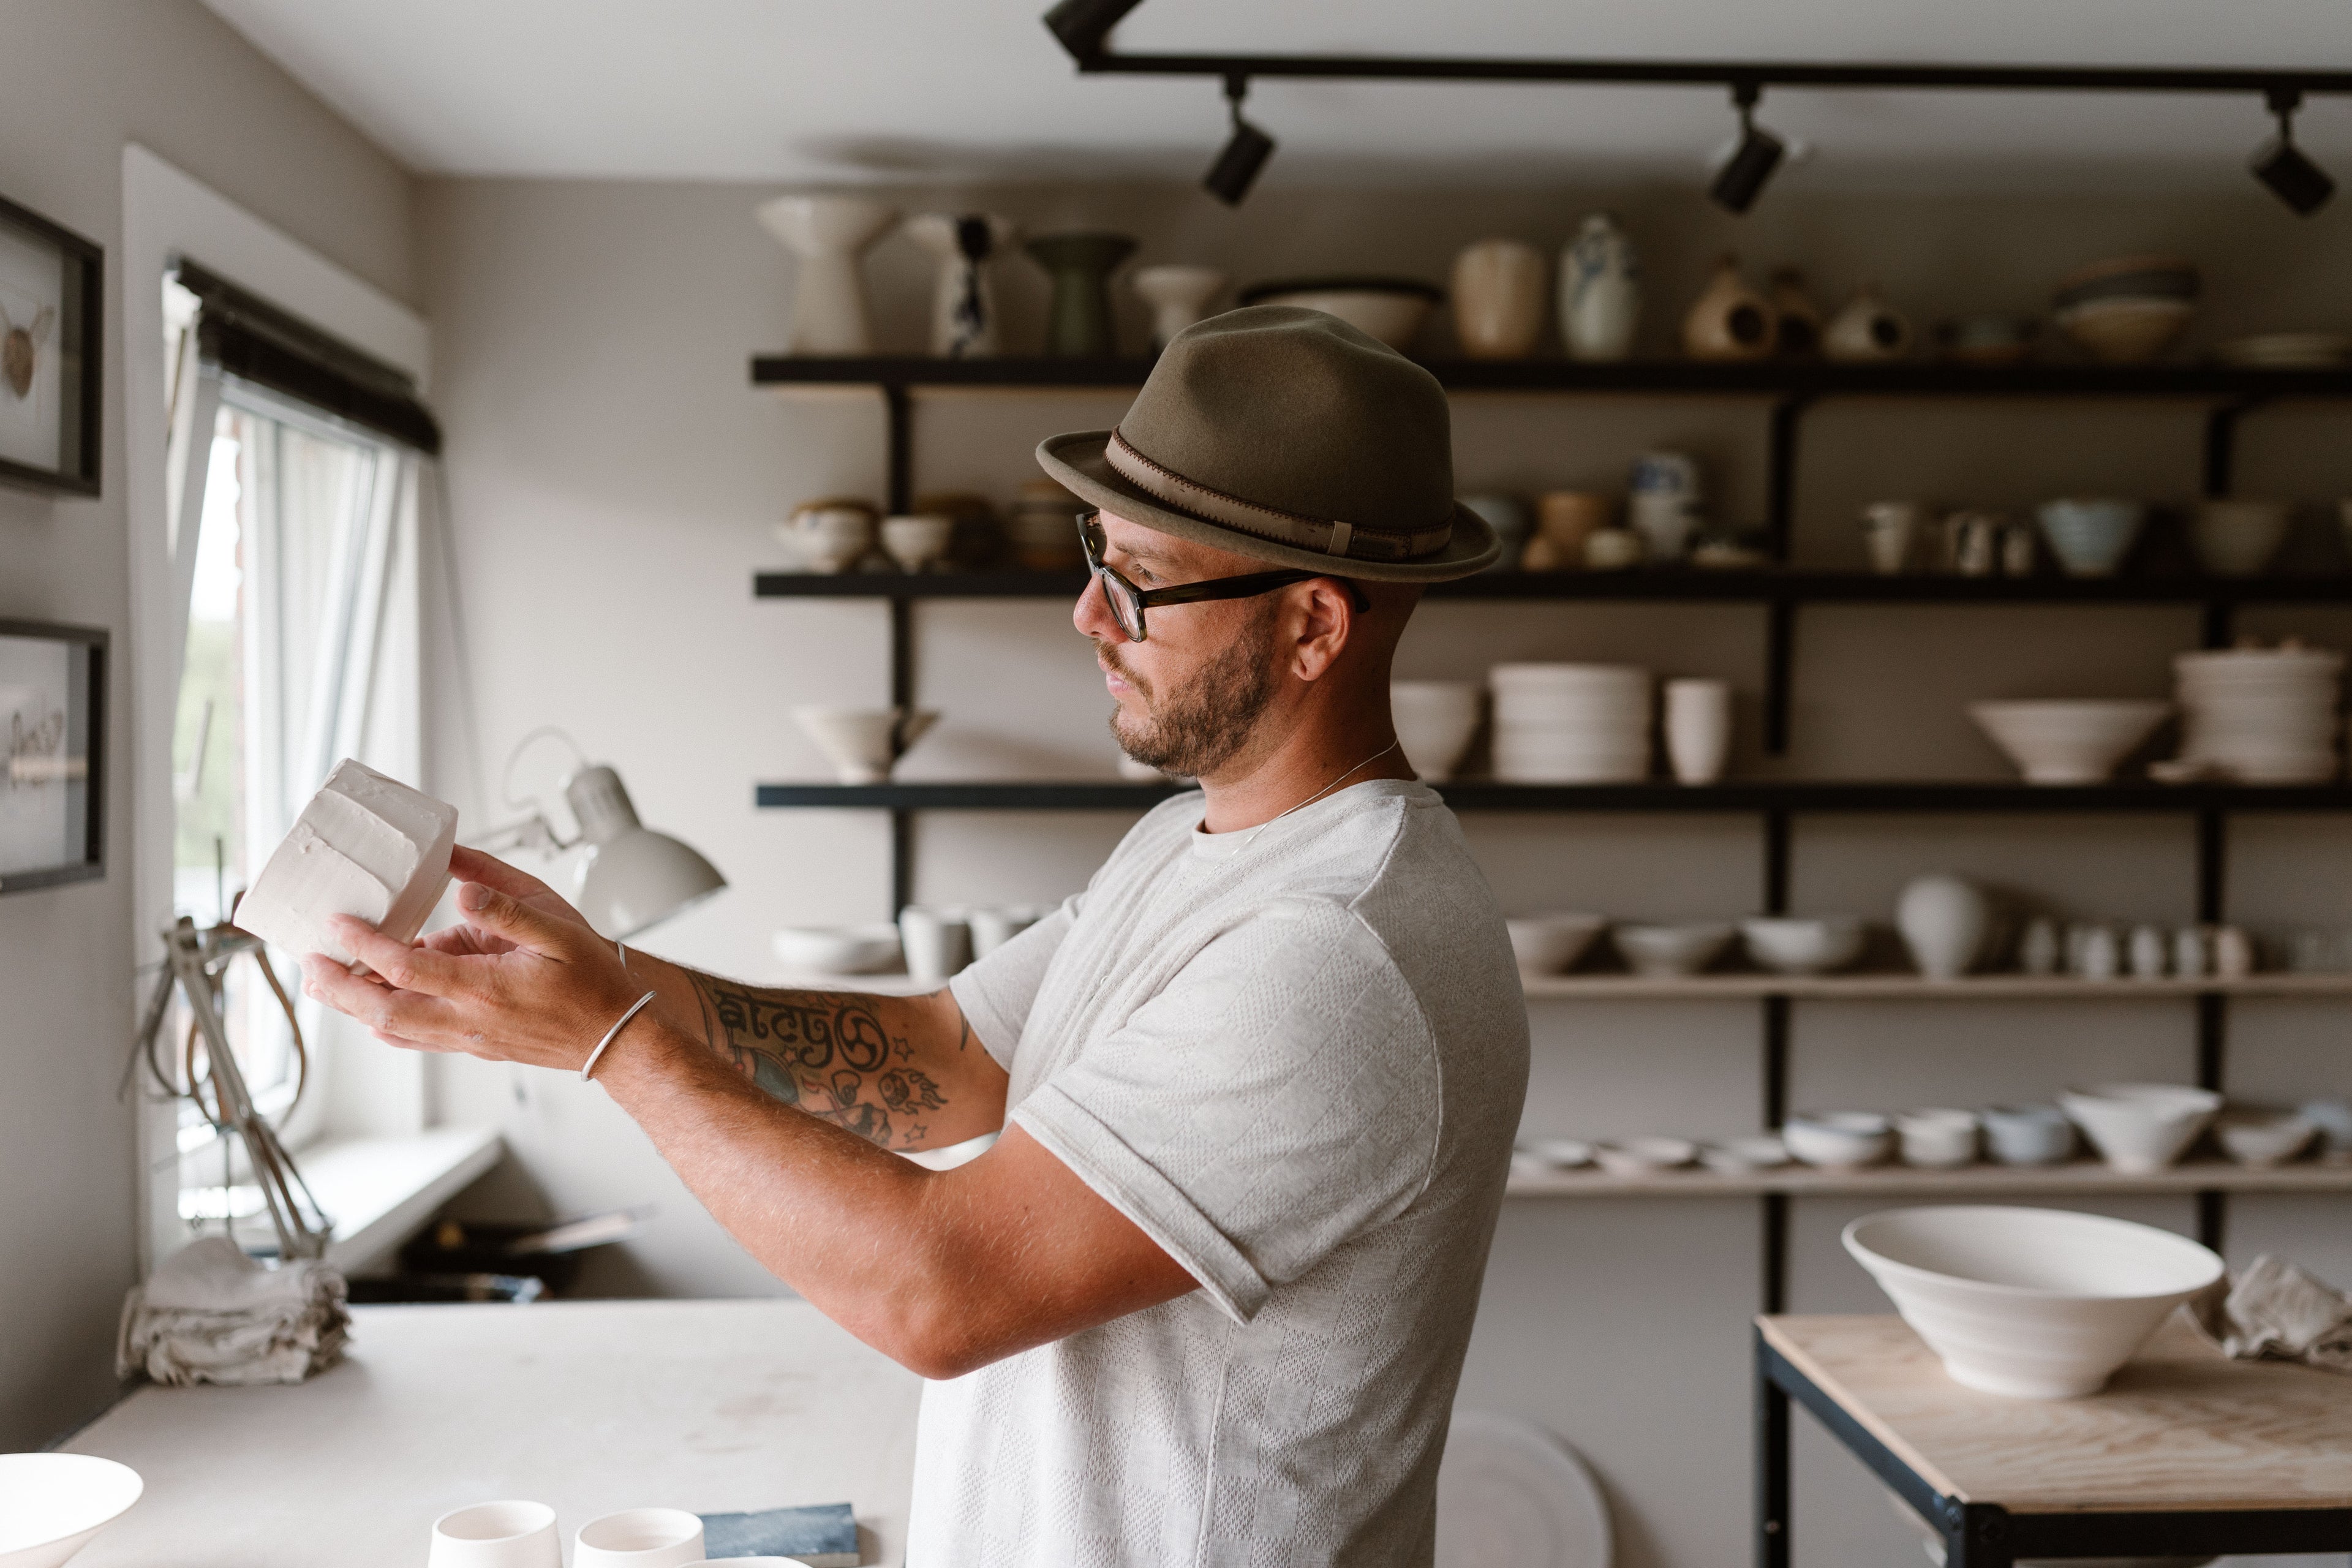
(1077, 461)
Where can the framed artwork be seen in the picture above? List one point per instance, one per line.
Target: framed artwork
(52, 734)
(50, 376)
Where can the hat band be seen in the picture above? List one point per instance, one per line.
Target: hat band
(1324, 538)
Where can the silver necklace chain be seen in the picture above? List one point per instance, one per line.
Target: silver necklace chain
(1319, 795)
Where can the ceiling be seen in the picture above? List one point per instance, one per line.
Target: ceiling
(823, 91)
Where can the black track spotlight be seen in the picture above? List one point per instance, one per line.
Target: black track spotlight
(1741, 179)
(2280, 164)
(1243, 153)
(1083, 25)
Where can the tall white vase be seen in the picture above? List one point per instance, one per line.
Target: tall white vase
(963, 304)
(1180, 297)
(828, 233)
(1600, 291)
(1945, 921)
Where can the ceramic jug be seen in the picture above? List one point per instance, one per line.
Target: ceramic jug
(1600, 291)
(1178, 297)
(1498, 298)
(1866, 329)
(1800, 327)
(828, 233)
(963, 303)
(1078, 322)
(1729, 320)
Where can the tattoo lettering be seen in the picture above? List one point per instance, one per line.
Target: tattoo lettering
(826, 1053)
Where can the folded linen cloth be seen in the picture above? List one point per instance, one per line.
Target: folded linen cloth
(2277, 1311)
(211, 1314)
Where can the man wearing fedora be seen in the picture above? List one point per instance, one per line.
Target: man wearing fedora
(1205, 1299)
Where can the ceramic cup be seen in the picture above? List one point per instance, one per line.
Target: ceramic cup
(2028, 1134)
(639, 1538)
(497, 1535)
(1698, 729)
(938, 943)
(992, 928)
(1891, 531)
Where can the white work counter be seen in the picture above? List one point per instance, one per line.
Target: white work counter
(588, 1406)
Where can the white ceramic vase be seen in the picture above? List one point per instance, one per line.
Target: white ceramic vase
(1180, 297)
(1944, 921)
(828, 233)
(963, 303)
(1698, 729)
(1498, 298)
(1600, 291)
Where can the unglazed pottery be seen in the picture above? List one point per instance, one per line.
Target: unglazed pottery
(1498, 298)
(1729, 320)
(366, 846)
(497, 1535)
(828, 233)
(639, 1538)
(1600, 291)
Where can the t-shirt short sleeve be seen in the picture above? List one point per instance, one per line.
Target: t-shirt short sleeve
(1278, 1097)
(997, 992)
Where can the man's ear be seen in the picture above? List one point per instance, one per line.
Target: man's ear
(1326, 622)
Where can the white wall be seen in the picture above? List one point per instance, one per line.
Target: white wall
(614, 478)
(76, 82)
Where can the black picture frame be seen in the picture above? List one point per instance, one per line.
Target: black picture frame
(52, 362)
(52, 739)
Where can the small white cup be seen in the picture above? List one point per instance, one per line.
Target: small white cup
(497, 1535)
(938, 943)
(1698, 729)
(1891, 531)
(639, 1538)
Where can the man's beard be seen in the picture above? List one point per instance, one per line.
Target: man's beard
(1197, 728)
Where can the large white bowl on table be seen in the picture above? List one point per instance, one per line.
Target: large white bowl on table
(2025, 1302)
(2141, 1127)
(53, 1505)
(2068, 742)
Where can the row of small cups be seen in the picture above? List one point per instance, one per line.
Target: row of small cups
(523, 1535)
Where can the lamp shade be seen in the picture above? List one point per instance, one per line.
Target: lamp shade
(630, 877)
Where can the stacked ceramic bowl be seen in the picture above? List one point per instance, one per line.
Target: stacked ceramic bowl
(1571, 723)
(2260, 715)
(1042, 527)
(2127, 311)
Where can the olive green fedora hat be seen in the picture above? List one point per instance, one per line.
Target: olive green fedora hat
(1286, 435)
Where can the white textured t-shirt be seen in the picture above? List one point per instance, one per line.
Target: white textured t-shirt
(1296, 1062)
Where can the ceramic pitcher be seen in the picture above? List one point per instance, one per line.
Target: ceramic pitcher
(1600, 291)
(963, 303)
(1078, 322)
(1498, 298)
(828, 233)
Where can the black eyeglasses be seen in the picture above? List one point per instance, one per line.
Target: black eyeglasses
(1128, 602)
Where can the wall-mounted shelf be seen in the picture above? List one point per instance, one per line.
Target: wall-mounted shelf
(1905, 1181)
(1792, 795)
(1744, 987)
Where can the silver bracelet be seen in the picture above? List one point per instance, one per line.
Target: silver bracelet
(590, 1064)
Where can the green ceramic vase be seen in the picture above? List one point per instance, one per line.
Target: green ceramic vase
(1078, 323)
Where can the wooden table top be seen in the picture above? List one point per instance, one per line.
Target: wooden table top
(588, 1406)
(2182, 1427)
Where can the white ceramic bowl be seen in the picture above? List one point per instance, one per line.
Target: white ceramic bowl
(2068, 742)
(1938, 1138)
(2125, 332)
(53, 1505)
(1838, 1140)
(1737, 1156)
(837, 950)
(639, 1538)
(2263, 1138)
(1390, 312)
(2089, 535)
(1434, 722)
(2141, 1127)
(496, 1536)
(1789, 944)
(1547, 943)
(916, 540)
(1558, 1154)
(2028, 1134)
(1664, 951)
(2029, 1303)
(1638, 1156)
(862, 743)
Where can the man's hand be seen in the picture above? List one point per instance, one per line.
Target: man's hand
(465, 940)
(525, 985)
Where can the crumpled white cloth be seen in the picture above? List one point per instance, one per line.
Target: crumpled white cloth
(211, 1314)
(2277, 1311)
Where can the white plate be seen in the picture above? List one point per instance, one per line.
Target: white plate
(1513, 1495)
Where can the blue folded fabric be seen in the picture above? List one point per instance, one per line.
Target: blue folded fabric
(821, 1534)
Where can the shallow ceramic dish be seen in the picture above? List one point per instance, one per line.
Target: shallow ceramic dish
(1547, 943)
(53, 1505)
(1789, 944)
(2141, 1127)
(1389, 309)
(2068, 742)
(2029, 1303)
(2263, 1138)
(1838, 1140)
(1739, 1156)
(1669, 952)
(1637, 1156)
(837, 950)
(2028, 1134)
(1938, 1138)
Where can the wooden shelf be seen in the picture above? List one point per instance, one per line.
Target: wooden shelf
(1685, 378)
(1912, 987)
(1905, 1181)
(1476, 795)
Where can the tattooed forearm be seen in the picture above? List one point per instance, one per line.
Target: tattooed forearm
(830, 1054)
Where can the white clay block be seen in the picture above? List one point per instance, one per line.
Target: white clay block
(365, 845)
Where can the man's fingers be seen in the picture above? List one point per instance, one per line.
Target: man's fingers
(473, 866)
(420, 1019)
(501, 914)
(410, 968)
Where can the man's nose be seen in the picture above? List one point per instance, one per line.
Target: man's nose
(1091, 615)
